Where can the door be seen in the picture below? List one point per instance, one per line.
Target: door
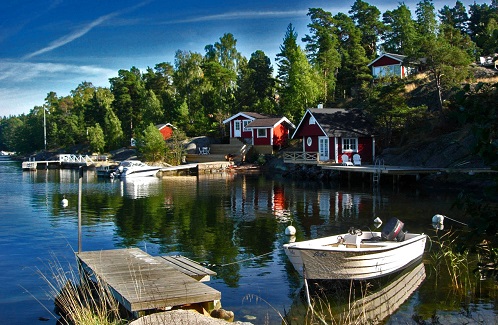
(323, 148)
(237, 129)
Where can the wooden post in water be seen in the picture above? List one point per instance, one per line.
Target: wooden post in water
(80, 181)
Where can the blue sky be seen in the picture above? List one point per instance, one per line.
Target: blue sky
(54, 45)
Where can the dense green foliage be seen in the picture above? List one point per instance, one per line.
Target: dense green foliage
(150, 144)
(197, 92)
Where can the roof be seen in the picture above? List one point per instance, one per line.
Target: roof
(248, 115)
(397, 57)
(160, 126)
(340, 122)
(269, 122)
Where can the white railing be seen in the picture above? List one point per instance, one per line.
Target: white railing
(31, 165)
(301, 157)
(68, 158)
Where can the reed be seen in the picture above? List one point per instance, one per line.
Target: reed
(79, 299)
(446, 258)
(320, 310)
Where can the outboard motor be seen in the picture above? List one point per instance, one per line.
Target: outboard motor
(393, 230)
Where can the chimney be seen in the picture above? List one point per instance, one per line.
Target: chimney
(320, 105)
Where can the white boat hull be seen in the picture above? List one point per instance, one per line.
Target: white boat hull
(139, 172)
(356, 259)
(135, 168)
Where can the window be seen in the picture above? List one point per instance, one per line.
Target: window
(244, 124)
(309, 141)
(349, 144)
(261, 133)
(237, 125)
(312, 120)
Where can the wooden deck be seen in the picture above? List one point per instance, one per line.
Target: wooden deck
(142, 282)
(392, 170)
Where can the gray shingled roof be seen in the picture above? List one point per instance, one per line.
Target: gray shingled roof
(340, 122)
(255, 115)
(268, 122)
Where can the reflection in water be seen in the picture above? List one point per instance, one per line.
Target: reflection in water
(140, 187)
(359, 301)
(233, 221)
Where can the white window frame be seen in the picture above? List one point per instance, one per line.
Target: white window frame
(349, 144)
(312, 120)
(244, 124)
(260, 135)
(323, 148)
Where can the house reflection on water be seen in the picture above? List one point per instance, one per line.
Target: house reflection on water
(310, 209)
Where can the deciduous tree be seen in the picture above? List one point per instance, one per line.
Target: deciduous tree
(96, 138)
(150, 144)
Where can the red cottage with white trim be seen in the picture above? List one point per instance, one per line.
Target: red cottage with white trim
(333, 132)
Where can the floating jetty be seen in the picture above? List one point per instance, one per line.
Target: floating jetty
(63, 160)
(143, 283)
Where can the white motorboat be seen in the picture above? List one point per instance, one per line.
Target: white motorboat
(134, 168)
(356, 255)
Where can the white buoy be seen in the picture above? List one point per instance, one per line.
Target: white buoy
(290, 231)
(438, 218)
(64, 202)
(377, 222)
(438, 226)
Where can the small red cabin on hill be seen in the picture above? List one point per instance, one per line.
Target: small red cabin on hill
(333, 132)
(166, 130)
(389, 64)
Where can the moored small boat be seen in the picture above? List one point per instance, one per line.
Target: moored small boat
(134, 168)
(356, 255)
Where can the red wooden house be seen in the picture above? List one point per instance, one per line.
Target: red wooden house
(389, 64)
(166, 130)
(258, 129)
(333, 132)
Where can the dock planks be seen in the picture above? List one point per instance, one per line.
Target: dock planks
(141, 282)
(189, 267)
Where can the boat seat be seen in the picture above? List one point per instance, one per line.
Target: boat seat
(352, 239)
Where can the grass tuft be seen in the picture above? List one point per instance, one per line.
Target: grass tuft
(79, 299)
(447, 258)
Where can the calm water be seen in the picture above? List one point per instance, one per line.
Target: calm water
(236, 222)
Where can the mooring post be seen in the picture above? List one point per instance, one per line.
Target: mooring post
(80, 181)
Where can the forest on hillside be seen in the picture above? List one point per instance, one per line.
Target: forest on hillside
(198, 91)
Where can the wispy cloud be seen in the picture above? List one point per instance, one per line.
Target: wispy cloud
(25, 84)
(15, 72)
(81, 31)
(71, 37)
(242, 15)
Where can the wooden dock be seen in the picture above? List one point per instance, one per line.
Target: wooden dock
(141, 282)
(376, 171)
(197, 168)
